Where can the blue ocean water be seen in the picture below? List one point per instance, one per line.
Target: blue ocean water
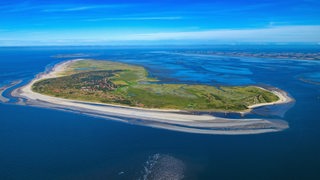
(37, 143)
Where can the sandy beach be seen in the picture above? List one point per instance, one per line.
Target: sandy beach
(166, 119)
(283, 98)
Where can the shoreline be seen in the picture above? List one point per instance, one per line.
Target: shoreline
(60, 67)
(177, 120)
(283, 96)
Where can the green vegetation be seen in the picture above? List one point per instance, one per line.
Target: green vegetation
(117, 83)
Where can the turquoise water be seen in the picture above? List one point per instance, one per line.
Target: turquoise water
(39, 143)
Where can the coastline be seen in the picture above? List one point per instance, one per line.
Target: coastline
(283, 96)
(159, 118)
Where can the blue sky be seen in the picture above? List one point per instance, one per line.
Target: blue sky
(83, 22)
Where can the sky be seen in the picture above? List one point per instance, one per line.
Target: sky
(134, 22)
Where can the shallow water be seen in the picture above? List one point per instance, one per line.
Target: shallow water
(41, 143)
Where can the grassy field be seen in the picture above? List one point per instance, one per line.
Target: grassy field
(118, 83)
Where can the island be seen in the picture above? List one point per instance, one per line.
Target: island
(126, 93)
(129, 85)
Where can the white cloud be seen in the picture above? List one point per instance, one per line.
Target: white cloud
(136, 18)
(270, 34)
(26, 6)
(275, 34)
(83, 8)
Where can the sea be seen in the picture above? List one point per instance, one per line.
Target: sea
(47, 144)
